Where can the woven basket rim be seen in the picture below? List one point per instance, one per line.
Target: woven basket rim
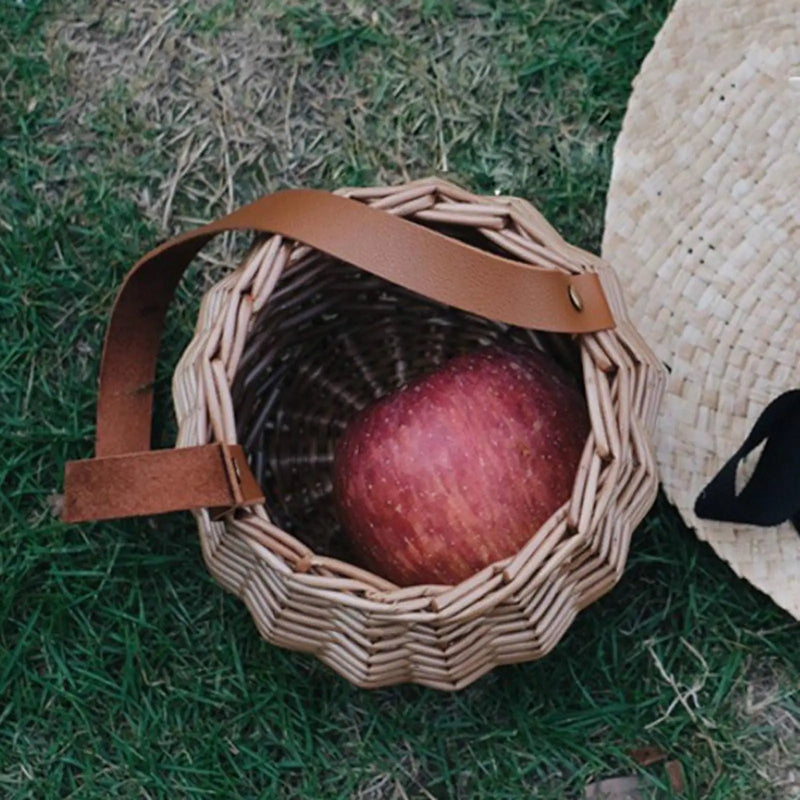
(365, 590)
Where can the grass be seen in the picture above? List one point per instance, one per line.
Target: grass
(124, 669)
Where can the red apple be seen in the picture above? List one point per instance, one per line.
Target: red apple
(460, 468)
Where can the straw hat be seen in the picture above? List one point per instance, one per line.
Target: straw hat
(703, 227)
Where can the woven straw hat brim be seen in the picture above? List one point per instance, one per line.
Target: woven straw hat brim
(703, 227)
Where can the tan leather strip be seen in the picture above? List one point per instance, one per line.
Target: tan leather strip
(157, 481)
(400, 251)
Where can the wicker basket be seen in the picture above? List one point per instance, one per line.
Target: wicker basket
(290, 344)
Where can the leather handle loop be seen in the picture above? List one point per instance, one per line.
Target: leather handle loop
(390, 247)
(214, 476)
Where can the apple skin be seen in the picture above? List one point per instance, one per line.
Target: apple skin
(461, 467)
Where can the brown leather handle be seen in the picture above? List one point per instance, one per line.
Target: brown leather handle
(127, 478)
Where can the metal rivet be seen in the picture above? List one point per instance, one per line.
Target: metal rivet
(575, 298)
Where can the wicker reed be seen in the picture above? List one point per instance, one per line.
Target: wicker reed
(703, 225)
(289, 345)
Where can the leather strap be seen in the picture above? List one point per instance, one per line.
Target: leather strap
(390, 247)
(157, 481)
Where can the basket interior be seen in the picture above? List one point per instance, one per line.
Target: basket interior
(331, 340)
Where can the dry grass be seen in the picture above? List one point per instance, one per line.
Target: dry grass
(242, 99)
(766, 705)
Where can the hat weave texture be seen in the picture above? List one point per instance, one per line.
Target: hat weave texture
(703, 227)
